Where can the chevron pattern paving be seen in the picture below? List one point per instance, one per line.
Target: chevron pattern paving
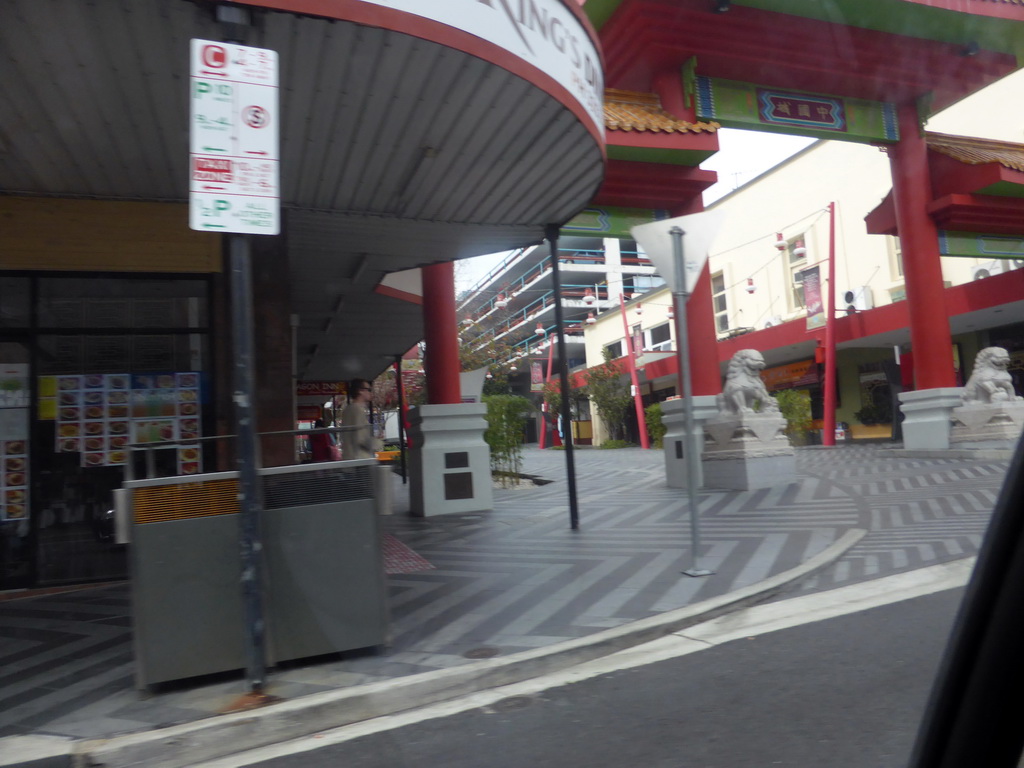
(922, 511)
(517, 577)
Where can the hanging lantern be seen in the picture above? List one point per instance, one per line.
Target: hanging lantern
(489, 376)
(540, 330)
(588, 297)
(750, 285)
(468, 321)
(590, 318)
(502, 302)
(800, 250)
(639, 309)
(779, 242)
(671, 313)
(512, 367)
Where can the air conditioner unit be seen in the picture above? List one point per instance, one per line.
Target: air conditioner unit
(858, 299)
(773, 321)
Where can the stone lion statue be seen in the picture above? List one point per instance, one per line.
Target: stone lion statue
(744, 387)
(990, 381)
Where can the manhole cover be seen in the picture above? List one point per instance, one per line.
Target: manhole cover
(484, 652)
(512, 703)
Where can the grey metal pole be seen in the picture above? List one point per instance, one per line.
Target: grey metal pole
(683, 347)
(563, 376)
(249, 492)
(399, 386)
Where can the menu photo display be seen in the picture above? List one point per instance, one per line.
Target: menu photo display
(13, 479)
(99, 415)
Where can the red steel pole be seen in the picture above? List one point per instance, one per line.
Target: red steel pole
(828, 436)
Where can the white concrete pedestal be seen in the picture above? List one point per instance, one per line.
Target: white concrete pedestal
(747, 451)
(449, 463)
(674, 442)
(927, 414)
(987, 425)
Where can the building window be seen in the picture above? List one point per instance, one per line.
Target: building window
(796, 262)
(615, 349)
(895, 257)
(660, 337)
(720, 302)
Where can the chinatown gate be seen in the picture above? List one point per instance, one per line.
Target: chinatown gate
(869, 71)
(409, 138)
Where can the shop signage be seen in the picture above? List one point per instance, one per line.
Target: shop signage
(746, 105)
(801, 374)
(610, 221)
(321, 388)
(544, 33)
(234, 160)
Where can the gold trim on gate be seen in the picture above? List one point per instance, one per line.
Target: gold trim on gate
(184, 501)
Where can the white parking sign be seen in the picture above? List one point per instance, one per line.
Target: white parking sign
(233, 163)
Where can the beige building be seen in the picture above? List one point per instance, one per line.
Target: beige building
(774, 246)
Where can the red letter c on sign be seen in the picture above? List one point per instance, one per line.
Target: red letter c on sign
(214, 56)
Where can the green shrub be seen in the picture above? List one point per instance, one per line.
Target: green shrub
(506, 425)
(795, 405)
(616, 444)
(655, 428)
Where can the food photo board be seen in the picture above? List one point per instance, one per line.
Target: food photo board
(100, 415)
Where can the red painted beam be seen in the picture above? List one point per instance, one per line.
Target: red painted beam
(986, 214)
(647, 37)
(989, 293)
(951, 176)
(651, 185)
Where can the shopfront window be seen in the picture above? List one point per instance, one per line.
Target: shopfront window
(110, 362)
(15, 298)
(102, 303)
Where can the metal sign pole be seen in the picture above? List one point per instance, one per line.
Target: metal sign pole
(249, 492)
(399, 386)
(680, 295)
(563, 375)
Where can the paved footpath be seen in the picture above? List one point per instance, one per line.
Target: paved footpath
(517, 580)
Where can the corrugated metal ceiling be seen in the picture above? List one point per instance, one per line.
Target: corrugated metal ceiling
(394, 149)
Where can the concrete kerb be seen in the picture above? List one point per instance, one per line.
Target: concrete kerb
(182, 745)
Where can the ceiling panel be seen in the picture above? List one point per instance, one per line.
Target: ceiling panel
(393, 148)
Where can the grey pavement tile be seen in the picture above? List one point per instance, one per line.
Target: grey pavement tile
(517, 578)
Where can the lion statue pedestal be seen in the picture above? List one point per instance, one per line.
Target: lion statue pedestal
(745, 445)
(992, 415)
(674, 442)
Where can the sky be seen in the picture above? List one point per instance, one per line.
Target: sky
(742, 156)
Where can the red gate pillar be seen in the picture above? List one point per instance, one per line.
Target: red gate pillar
(700, 316)
(700, 326)
(930, 336)
(440, 331)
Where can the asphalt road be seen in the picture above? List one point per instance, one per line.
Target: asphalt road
(847, 691)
